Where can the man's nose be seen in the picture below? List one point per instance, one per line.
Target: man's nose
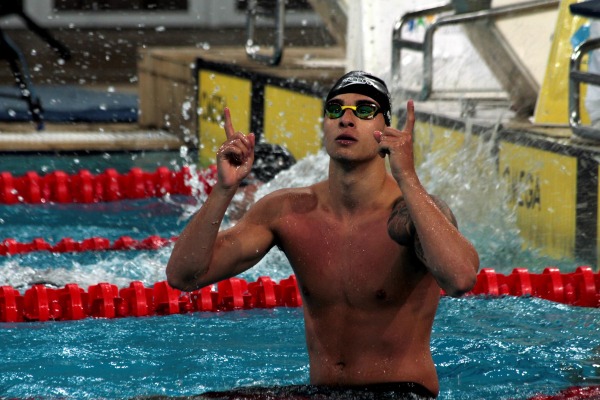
(347, 118)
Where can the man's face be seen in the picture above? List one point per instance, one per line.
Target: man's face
(350, 137)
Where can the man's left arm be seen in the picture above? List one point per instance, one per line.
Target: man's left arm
(402, 229)
(446, 253)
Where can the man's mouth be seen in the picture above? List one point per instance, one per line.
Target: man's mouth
(343, 138)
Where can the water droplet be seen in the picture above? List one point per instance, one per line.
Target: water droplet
(185, 110)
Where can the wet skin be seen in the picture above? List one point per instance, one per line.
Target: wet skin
(370, 275)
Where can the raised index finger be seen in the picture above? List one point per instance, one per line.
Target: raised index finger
(229, 131)
(410, 116)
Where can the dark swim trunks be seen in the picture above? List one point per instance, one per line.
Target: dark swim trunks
(376, 391)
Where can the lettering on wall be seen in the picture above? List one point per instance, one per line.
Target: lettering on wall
(212, 107)
(524, 188)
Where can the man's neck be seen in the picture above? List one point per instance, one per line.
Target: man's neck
(355, 188)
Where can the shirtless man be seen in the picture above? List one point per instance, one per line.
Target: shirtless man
(370, 250)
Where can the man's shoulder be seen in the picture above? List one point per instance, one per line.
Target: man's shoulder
(290, 195)
(282, 195)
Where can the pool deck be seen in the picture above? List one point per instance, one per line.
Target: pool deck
(506, 122)
(85, 136)
(23, 137)
(314, 64)
(320, 65)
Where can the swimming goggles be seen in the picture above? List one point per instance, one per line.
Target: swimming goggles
(362, 111)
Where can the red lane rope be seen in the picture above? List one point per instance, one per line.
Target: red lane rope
(579, 288)
(85, 187)
(572, 393)
(11, 247)
(105, 300)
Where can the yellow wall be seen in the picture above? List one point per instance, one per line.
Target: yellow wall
(552, 107)
(430, 138)
(544, 189)
(215, 92)
(293, 120)
(543, 185)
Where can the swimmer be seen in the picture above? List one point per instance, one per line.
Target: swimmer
(370, 249)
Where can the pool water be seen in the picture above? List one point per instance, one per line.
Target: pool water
(508, 348)
(483, 348)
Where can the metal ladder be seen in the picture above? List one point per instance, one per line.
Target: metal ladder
(10, 52)
(332, 13)
(478, 20)
(577, 77)
(253, 11)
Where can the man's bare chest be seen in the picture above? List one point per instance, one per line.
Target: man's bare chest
(352, 261)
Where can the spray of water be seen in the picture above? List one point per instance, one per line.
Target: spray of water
(467, 180)
(85, 269)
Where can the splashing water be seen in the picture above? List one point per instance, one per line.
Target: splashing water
(554, 346)
(469, 184)
(480, 199)
(118, 268)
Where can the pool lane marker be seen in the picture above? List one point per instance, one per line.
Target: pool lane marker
(12, 247)
(105, 300)
(110, 185)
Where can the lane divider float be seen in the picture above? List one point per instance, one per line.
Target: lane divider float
(105, 300)
(11, 247)
(578, 288)
(110, 185)
(572, 393)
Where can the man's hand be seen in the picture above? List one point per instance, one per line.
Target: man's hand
(399, 145)
(235, 157)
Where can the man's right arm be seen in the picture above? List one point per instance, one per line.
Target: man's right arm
(202, 255)
(194, 246)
